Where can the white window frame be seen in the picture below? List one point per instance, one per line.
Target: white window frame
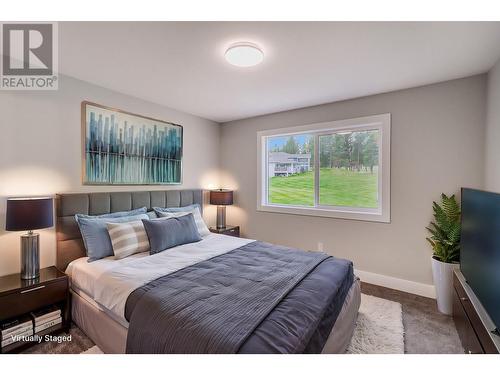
(381, 122)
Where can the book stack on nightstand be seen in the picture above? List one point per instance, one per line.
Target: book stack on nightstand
(16, 328)
(46, 318)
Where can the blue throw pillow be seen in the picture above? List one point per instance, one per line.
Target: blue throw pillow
(96, 237)
(136, 211)
(165, 233)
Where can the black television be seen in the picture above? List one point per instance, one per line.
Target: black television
(480, 248)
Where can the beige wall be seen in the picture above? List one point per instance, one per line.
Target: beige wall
(40, 151)
(437, 146)
(492, 169)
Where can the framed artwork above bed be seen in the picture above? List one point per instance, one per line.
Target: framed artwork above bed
(122, 148)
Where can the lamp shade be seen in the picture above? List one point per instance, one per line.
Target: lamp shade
(221, 197)
(29, 214)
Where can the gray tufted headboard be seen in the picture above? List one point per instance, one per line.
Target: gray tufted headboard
(69, 240)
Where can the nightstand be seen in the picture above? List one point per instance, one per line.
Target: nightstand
(228, 230)
(19, 297)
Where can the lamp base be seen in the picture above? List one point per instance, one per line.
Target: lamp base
(221, 217)
(30, 256)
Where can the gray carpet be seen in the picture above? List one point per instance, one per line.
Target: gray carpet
(426, 330)
(79, 343)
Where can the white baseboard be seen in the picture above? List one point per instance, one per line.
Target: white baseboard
(413, 287)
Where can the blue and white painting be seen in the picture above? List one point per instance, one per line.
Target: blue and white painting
(121, 148)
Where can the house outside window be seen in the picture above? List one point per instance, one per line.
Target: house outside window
(285, 164)
(335, 169)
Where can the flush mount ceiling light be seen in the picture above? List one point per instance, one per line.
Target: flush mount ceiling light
(244, 55)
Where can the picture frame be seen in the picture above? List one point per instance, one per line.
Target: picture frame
(124, 148)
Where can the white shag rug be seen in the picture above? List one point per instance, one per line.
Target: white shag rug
(379, 328)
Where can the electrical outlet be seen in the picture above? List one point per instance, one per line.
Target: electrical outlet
(320, 246)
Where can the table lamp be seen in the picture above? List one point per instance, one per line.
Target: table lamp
(221, 198)
(29, 214)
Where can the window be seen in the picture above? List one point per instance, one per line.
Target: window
(335, 169)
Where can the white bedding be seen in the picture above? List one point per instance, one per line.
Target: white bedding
(110, 281)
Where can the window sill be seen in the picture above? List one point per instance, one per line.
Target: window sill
(349, 214)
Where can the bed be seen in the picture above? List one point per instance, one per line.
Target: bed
(212, 296)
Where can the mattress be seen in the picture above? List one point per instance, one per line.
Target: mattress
(88, 299)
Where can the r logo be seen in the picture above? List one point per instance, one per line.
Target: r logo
(27, 49)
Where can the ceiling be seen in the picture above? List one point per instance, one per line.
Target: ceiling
(181, 64)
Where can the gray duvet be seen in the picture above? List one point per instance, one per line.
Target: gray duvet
(260, 298)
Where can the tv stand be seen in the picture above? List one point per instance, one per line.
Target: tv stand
(477, 332)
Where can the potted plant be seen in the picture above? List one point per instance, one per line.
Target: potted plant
(445, 242)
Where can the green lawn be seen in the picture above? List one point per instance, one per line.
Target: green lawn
(338, 187)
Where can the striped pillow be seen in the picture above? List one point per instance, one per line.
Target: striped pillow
(128, 238)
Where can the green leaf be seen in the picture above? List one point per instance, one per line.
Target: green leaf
(445, 229)
(450, 207)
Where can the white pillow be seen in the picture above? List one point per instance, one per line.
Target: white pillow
(198, 219)
(128, 238)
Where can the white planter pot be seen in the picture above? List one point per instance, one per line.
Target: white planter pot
(442, 274)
